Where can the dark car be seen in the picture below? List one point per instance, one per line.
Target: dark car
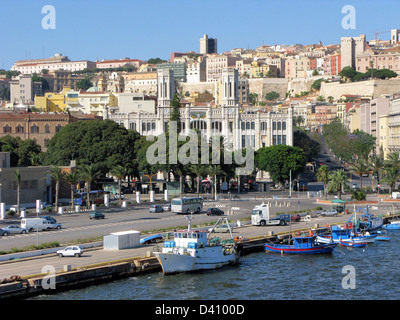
(156, 208)
(96, 215)
(214, 212)
(283, 218)
(50, 219)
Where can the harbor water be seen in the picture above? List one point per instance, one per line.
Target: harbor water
(348, 273)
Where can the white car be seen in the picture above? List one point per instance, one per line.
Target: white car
(70, 251)
(54, 225)
(15, 207)
(329, 213)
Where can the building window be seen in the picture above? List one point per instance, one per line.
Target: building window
(46, 128)
(253, 125)
(35, 129)
(274, 140)
(58, 128)
(7, 129)
(283, 125)
(279, 126)
(274, 125)
(20, 129)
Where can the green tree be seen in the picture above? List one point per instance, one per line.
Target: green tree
(279, 160)
(18, 179)
(390, 176)
(22, 152)
(348, 73)
(337, 182)
(377, 163)
(316, 85)
(120, 173)
(57, 175)
(323, 176)
(88, 173)
(72, 178)
(175, 111)
(45, 83)
(362, 143)
(84, 84)
(103, 142)
(199, 170)
(272, 96)
(360, 167)
(310, 147)
(214, 171)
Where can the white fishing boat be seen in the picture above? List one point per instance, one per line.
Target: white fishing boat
(193, 250)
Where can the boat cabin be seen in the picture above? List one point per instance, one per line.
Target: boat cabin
(340, 233)
(188, 239)
(303, 242)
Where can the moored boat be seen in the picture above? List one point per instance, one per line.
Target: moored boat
(193, 250)
(347, 232)
(301, 245)
(392, 226)
(352, 243)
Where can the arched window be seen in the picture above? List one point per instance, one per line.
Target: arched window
(253, 125)
(283, 125)
(143, 126)
(7, 129)
(58, 128)
(19, 129)
(279, 125)
(247, 125)
(46, 128)
(35, 129)
(274, 125)
(243, 125)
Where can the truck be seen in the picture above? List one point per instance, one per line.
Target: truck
(33, 224)
(260, 217)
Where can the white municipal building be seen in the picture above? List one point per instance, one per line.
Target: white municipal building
(242, 128)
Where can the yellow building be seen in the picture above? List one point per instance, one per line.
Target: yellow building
(262, 70)
(53, 102)
(383, 138)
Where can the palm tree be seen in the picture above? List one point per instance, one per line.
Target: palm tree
(337, 181)
(88, 173)
(377, 163)
(120, 173)
(393, 160)
(323, 175)
(391, 175)
(199, 170)
(57, 175)
(360, 167)
(72, 178)
(182, 172)
(214, 171)
(18, 178)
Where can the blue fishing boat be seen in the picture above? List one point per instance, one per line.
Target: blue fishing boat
(391, 226)
(150, 239)
(301, 245)
(367, 221)
(344, 233)
(352, 243)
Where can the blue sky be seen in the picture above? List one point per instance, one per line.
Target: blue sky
(91, 30)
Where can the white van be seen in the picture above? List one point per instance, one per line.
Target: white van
(33, 224)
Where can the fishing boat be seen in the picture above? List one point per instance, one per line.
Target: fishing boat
(193, 250)
(352, 243)
(344, 233)
(391, 226)
(367, 221)
(301, 245)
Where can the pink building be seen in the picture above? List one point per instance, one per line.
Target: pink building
(105, 64)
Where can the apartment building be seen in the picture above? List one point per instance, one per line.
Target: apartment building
(216, 63)
(297, 67)
(106, 64)
(23, 90)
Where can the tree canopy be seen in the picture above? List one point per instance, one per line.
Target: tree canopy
(22, 152)
(101, 142)
(279, 160)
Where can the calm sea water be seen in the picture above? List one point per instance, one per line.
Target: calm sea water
(268, 276)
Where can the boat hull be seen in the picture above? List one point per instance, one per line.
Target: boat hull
(172, 263)
(392, 226)
(361, 239)
(328, 248)
(353, 244)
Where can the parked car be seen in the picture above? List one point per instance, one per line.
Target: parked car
(156, 208)
(3, 232)
(331, 212)
(283, 218)
(221, 228)
(166, 207)
(70, 251)
(13, 229)
(50, 219)
(15, 207)
(354, 186)
(296, 217)
(53, 225)
(96, 215)
(214, 212)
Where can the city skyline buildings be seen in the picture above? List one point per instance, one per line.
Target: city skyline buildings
(112, 30)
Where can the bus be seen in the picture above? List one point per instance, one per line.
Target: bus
(187, 205)
(96, 197)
